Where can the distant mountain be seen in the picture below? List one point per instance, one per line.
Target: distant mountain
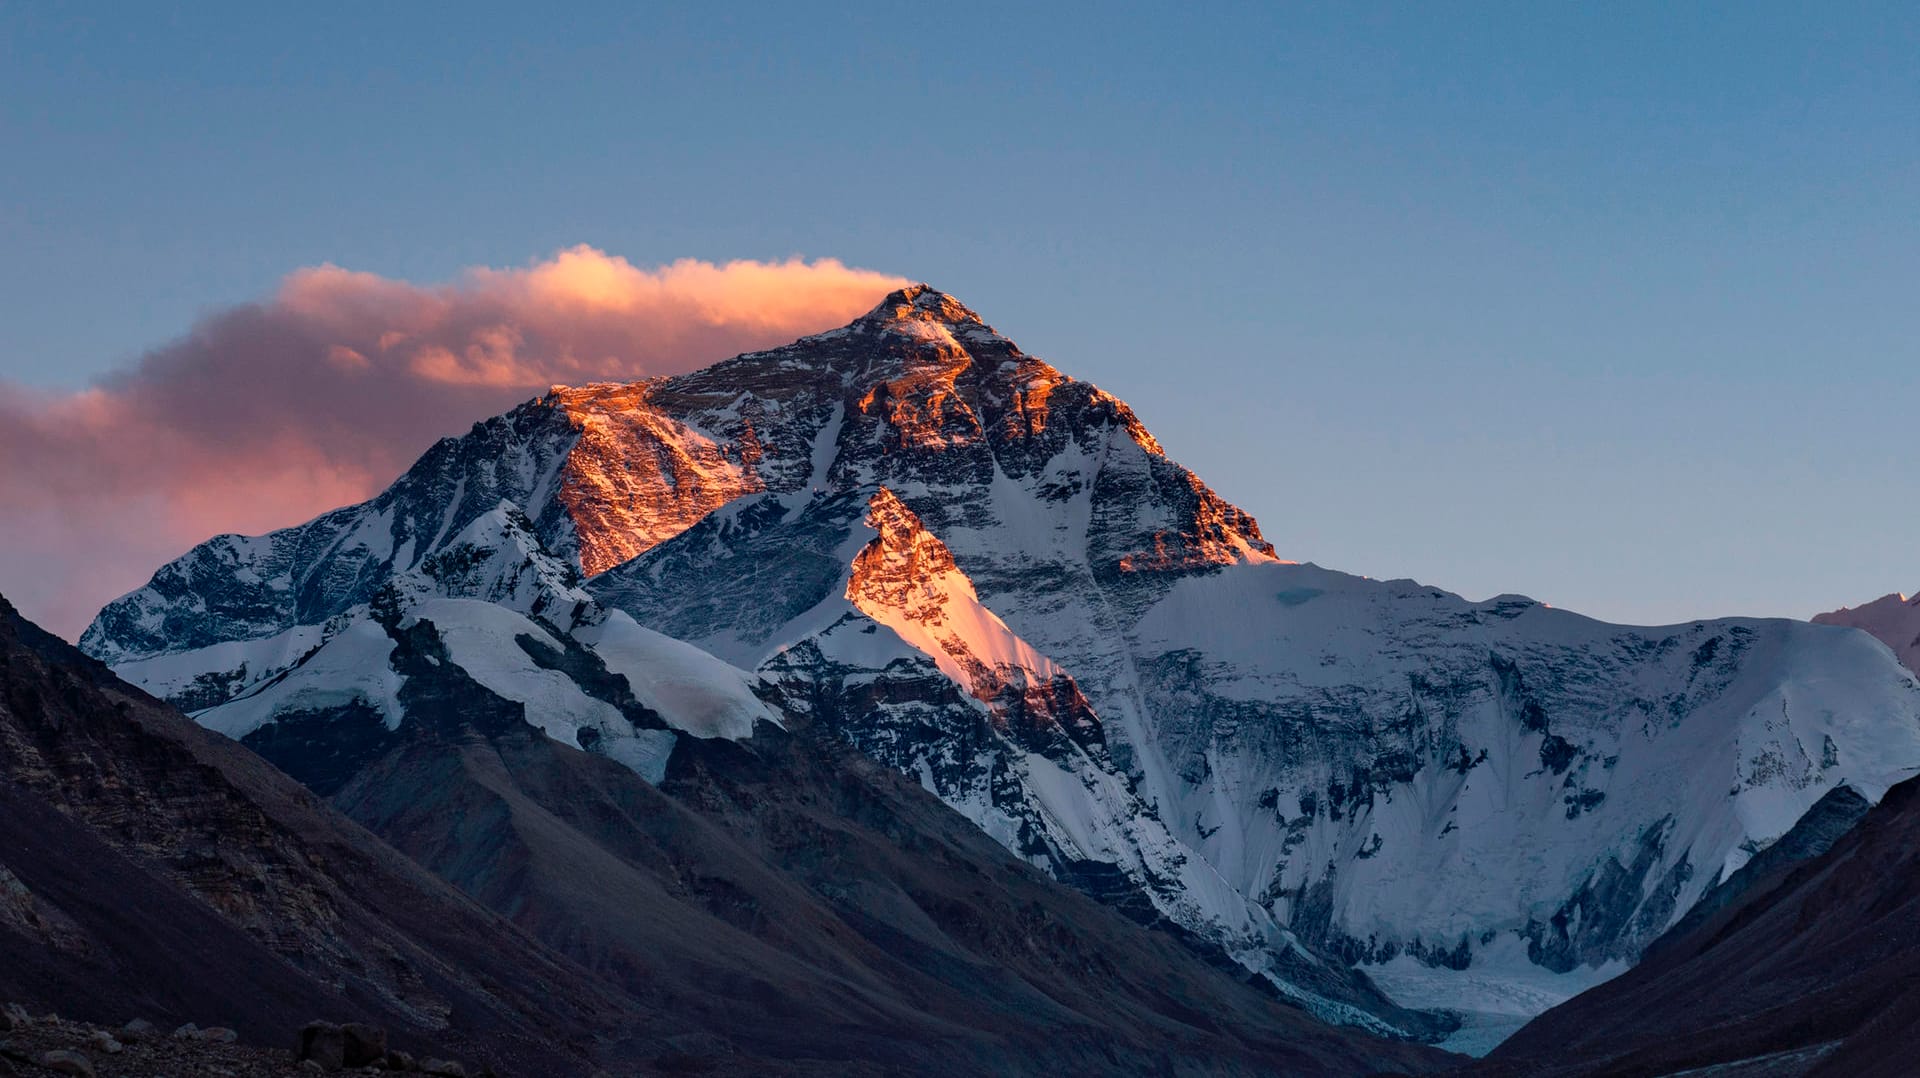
(1894, 620)
(990, 577)
(1809, 970)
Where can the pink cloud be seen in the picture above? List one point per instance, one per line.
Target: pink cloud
(267, 414)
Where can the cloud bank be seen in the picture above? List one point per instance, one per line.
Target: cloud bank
(267, 414)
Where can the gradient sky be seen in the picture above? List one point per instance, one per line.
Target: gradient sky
(1614, 305)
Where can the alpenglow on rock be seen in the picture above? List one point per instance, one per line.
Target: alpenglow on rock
(1894, 620)
(990, 576)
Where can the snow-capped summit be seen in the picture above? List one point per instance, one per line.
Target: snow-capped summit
(922, 303)
(990, 576)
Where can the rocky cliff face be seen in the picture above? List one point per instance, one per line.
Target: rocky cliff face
(905, 579)
(1894, 620)
(989, 576)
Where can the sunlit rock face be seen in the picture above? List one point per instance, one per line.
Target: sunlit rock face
(990, 576)
(1894, 620)
(906, 579)
(600, 474)
(635, 476)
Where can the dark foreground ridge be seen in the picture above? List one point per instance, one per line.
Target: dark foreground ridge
(1808, 970)
(149, 867)
(776, 906)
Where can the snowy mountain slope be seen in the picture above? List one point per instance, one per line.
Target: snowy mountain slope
(1517, 730)
(1495, 786)
(902, 660)
(602, 476)
(1332, 746)
(1391, 770)
(1894, 620)
(989, 575)
(1807, 970)
(501, 608)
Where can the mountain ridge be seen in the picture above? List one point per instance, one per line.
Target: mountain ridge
(1281, 750)
(774, 904)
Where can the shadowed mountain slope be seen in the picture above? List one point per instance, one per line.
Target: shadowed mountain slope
(1813, 968)
(149, 867)
(781, 900)
(780, 905)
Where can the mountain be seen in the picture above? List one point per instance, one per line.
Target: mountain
(150, 868)
(780, 904)
(774, 904)
(990, 577)
(1894, 620)
(1807, 971)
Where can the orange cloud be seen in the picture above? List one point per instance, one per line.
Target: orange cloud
(269, 413)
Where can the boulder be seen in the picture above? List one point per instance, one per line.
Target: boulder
(217, 1035)
(137, 1030)
(323, 1043)
(362, 1045)
(65, 1062)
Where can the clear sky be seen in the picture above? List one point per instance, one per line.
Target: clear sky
(1614, 305)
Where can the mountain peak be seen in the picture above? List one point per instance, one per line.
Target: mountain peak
(922, 303)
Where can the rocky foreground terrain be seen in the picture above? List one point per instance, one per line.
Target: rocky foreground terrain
(49, 1044)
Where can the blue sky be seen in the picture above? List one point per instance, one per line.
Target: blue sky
(1613, 305)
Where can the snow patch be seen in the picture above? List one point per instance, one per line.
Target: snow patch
(692, 690)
